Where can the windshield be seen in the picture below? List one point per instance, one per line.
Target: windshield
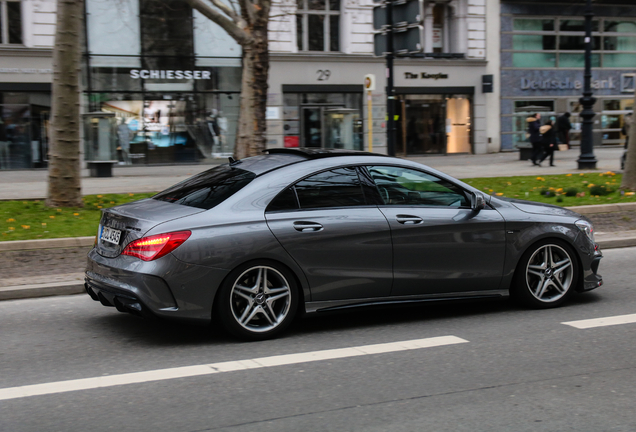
(207, 189)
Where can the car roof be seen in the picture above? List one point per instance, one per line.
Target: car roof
(275, 158)
(315, 153)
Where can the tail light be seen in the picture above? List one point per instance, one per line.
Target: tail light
(156, 246)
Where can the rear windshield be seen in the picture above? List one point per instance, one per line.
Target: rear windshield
(207, 189)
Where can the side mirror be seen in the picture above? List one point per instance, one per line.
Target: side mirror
(478, 202)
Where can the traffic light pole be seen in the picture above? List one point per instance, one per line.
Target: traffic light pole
(390, 91)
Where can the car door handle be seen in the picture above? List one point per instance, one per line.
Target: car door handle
(409, 220)
(307, 226)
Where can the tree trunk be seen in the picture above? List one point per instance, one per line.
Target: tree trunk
(64, 151)
(629, 175)
(250, 140)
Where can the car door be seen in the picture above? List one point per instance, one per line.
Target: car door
(440, 245)
(342, 243)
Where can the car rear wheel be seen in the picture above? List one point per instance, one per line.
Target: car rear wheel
(546, 275)
(258, 301)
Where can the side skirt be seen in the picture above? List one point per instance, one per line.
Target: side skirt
(323, 306)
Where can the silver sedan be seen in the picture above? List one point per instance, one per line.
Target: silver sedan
(256, 242)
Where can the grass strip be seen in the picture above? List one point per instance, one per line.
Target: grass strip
(30, 220)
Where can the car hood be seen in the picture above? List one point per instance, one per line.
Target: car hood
(540, 208)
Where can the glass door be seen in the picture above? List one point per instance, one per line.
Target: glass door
(425, 129)
(311, 126)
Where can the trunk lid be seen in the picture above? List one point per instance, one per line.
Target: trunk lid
(126, 223)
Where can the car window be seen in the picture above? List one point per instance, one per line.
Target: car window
(286, 200)
(404, 186)
(335, 188)
(207, 189)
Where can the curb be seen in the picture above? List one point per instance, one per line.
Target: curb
(603, 208)
(46, 243)
(41, 290)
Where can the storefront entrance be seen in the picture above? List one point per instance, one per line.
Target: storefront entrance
(434, 124)
(323, 120)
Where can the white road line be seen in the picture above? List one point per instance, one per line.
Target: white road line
(603, 322)
(230, 366)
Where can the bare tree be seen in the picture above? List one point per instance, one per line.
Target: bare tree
(64, 151)
(246, 22)
(629, 175)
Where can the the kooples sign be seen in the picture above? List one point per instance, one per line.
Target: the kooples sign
(424, 75)
(566, 84)
(170, 74)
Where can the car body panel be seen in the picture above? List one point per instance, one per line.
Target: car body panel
(345, 253)
(450, 249)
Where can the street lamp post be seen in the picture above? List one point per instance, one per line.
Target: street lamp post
(586, 159)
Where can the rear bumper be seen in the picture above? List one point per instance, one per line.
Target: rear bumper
(165, 288)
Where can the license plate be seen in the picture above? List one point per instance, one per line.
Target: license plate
(110, 235)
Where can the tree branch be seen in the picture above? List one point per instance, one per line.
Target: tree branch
(232, 28)
(226, 10)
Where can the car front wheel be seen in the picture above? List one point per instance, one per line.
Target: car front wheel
(546, 275)
(258, 301)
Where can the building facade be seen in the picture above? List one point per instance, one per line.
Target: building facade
(322, 50)
(166, 80)
(542, 61)
(27, 30)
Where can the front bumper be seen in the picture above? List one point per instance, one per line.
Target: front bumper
(591, 278)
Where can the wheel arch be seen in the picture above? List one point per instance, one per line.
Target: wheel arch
(303, 290)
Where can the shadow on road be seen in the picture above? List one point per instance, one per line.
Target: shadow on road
(158, 333)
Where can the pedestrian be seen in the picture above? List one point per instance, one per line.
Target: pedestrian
(548, 140)
(563, 127)
(627, 124)
(534, 124)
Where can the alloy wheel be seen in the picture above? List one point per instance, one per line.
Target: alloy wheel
(549, 273)
(260, 299)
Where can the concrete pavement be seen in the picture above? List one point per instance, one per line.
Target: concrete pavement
(32, 184)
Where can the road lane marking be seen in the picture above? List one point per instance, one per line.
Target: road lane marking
(602, 322)
(229, 366)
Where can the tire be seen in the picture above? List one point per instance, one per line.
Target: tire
(258, 300)
(546, 275)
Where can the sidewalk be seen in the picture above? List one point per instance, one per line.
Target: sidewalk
(65, 279)
(32, 184)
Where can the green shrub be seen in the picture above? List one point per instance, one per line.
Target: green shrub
(600, 190)
(571, 192)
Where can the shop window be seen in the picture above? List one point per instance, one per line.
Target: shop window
(561, 43)
(166, 30)
(533, 25)
(318, 25)
(10, 22)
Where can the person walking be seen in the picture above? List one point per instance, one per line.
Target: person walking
(534, 124)
(548, 140)
(563, 127)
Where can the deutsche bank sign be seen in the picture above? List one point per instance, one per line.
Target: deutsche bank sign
(565, 84)
(169, 74)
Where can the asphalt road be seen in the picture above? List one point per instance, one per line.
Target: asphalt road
(515, 370)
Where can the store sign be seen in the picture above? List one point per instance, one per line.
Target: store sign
(169, 74)
(566, 84)
(424, 75)
(628, 83)
(25, 71)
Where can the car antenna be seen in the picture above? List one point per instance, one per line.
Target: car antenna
(233, 161)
